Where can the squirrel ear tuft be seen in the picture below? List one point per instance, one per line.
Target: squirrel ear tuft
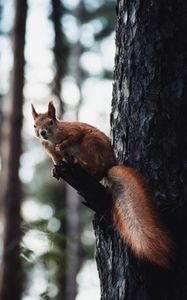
(34, 113)
(51, 110)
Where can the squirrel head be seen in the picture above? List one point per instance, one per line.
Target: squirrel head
(46, 124)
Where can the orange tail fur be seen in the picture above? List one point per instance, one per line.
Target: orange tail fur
(137, 218)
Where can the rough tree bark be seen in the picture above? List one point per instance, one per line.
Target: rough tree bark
(12, 283)
(149, 122)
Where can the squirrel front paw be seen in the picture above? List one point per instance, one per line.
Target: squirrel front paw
(58, 148)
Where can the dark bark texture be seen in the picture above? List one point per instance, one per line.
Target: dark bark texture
(149, 122)
(96, 197)
(12, 284)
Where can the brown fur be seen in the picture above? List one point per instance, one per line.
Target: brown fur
(134, 212)
(91, 148)
(137, 218)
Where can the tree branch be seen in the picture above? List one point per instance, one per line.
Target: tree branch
(96, 196)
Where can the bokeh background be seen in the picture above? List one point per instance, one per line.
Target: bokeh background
(69, 57)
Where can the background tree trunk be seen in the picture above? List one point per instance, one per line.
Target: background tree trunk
(77, 51)
(60, 50)
(71, 228)
(73, 252)
(12, 277)
(149, 122)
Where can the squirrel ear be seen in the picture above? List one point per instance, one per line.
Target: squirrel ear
(51, 110)
(34, 113)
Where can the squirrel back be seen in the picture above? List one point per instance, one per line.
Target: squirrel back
(137, 218)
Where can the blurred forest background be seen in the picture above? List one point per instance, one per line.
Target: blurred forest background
(61, 50)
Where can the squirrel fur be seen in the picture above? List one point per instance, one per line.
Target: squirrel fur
(134, 211)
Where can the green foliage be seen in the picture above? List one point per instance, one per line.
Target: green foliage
(26, 254)
(45, 295)
(98, 16)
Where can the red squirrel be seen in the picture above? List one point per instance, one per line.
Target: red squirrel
(134, 211)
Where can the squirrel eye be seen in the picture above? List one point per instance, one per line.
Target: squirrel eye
(34, 125)
(51, 122)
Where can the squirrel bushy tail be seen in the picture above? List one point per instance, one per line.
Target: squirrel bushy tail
(137, 218)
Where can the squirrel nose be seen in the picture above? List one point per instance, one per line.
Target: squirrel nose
(43, 133)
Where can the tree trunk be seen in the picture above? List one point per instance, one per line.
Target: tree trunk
(71, 228)
(149, 122)
(12, 283)
(77, 51)
(60, 50)
(73, 242)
